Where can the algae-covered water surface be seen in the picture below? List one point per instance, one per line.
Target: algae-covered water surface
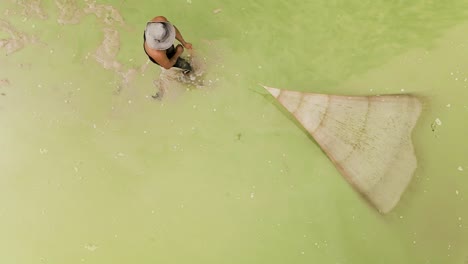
(95, 170)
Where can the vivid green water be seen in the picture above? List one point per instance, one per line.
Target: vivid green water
(95, 171)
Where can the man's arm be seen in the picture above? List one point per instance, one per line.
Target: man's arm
(181, 39)
(162, 60)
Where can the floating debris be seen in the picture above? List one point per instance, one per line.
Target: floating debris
(91, 247)
(437, 122)
(217, 11)
(460, 168)
(4, 82)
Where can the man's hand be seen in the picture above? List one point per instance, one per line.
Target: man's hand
(188, 45)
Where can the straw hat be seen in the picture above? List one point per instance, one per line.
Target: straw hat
(159, 35)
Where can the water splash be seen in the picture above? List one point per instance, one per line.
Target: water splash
(107, 14)
(17, 41)
(32, 8)
(69, 12)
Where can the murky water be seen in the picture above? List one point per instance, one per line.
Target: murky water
(94, 170)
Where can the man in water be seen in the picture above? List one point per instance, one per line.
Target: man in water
(159, 39)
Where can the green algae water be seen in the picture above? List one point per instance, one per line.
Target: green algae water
(94, 170)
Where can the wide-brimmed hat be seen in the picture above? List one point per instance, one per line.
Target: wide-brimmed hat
(160, 35)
